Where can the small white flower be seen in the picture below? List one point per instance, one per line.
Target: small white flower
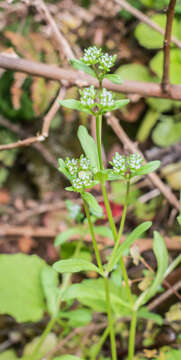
(88, 96)
(119, 163)
(107, 61)
(135, 161)
(106, 98)
(91, 55)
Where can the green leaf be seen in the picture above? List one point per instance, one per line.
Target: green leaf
(135, 234)
(143, 312)
(74, 265)
(78, 317)
(134, 72)
(151, 39)
(49, 279)
(179, 219)
(48, 345)
(114, 78)
(20, 287)
(74, 105)
(103, 231)
(65, 235)
(147, 124)
(161, 254)
(119, 103)
(148, 168)
(8, 355)
(68, 357)
(167, 132)
(175, 64)
(95, 208)
(89, 146)
(79, 65)
(62, 169)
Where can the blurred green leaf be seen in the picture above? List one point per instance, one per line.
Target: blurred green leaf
(79, 65)
(175, 63)
(167, 132)
(134, 72)
(95, 208)
(89, 146)
(74, 265)
(49, 279)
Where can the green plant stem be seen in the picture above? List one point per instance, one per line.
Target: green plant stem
(109, 212)
(98, 257)
(132, 336)
(106, 283)
(47, 330)
(110, 320)
(98, 136)
(100, 343)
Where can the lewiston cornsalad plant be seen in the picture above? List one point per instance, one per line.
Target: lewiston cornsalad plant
(86, 172)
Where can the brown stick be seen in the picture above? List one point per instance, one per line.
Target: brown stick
(167, 40)
(144, 18)
(164, 296)
(164, 189)
(63, 45)
(74, 77)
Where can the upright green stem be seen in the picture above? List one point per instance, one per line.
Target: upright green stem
(106, 284)
(132, 336)
(100, 343)
(98, 135)
(110, 320)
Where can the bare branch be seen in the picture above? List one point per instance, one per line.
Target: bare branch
(167, 40)
(144, 18)
(164, 189)
(78, 78)
(62, 43)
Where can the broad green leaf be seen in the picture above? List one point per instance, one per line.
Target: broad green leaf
(20, 287)
(74, 265)
(119, 103)
(148, 168)
(134, 72)
(78, 317)
(147, 124)
(114, 78)
(161, 254)
(79, 65)
(49, 279)
(68, 357)
(65, 235)
(8, 355)
(48, 345)
(167, 132)
(175, 64)
(74, 105)
(151, 39)
(161, 105)
(103, 231)
(95, 208)
(89, 146)
(135, 234)
(143, 312)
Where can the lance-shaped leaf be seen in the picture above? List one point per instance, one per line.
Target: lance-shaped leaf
(74, 105)
(115, 79)
(49, 279)
(79, 65)
(62, 169)
(68, 357)
(147, 168)
(67, 234)
(74, 265)
(95, 208)
(135, 234)
(161, 254)
(118, 104)
(89, 146)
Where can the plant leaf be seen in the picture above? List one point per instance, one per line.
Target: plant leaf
(143, 312)
(79, 65)
(161, 254)
(114, 78)
(147, 168)
(67, 357)
(62, 169)
(49, 279)
(119, 103)
(20, 287)
(89, 146)
(74, 265)
(78, 317)
(135, 234)
(74, 105)
(65, 235)
(95, 208)
(103, 231)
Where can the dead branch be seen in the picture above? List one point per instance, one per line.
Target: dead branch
(155, 303)
(78, 78)
(164, 189)
(167, 40)
(145, 19)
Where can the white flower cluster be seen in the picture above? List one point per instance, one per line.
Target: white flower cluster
(135, 161)
(88, 96)
(80, 172)
(92, 55)
(119, 163)
(107, 61)
(122, 163)
(106, 98)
